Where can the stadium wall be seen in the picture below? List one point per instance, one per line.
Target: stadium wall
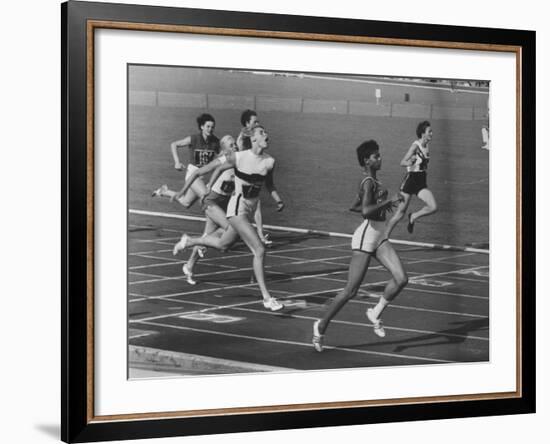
(305, 105)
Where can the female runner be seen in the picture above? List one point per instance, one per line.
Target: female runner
(253, 168)
(369, 240)
(249, 119)
(214, 203)
(202, 148)
(415, 182)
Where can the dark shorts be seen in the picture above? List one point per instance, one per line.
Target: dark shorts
(414, 182)
(214, 198)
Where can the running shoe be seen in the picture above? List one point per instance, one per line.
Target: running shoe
(201, 251)
(189, 275)
(376, 323)
(180, 245)
(410, 225)
(273, 304)
(159, 192)
(265, 240)
(318, 338)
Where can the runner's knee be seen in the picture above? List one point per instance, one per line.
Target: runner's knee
(259, 251)
(350, 291)
(401, 280)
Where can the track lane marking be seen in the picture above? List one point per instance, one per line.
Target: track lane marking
(316, 232)
(270, 269)
(303, 344)
(215, 307)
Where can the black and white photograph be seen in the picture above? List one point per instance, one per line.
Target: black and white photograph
(276, 325)
(296, 221)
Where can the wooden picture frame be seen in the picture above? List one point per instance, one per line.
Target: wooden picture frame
(80, 21)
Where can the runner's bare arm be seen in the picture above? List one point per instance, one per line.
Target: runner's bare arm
(270, 185)
(174, 149)
(408, 158)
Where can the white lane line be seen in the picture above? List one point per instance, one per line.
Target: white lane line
(159, 240)
(424, 310)
(302, 344)
(460, 278)
(177, 262)
(343, 281)
(241, 304)
(237, 255)
(141, 335)
(446, 293)
(304, 259)
(445, 262)
(352, 301)
(301, 278)
(147, 256)
(215, 307)
(156, 278)
(137, 253)
(318, 232)
(270, 268)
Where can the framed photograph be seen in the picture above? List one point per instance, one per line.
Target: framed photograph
(275, 222)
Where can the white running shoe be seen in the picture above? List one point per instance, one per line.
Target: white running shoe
(159, 192)
(180, 245)
(189, 275)
(273, 304)
(376, 323)
(265, 240)
(318, 338)
(201, 251)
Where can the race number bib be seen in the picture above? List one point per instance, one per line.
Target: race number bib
(251, 191)
(203, 157)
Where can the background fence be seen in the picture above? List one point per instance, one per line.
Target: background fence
(266, 103)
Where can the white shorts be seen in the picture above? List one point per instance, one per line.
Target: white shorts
(189, 169)
(368, 236)
(239, 205)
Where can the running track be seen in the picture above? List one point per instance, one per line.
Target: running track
(442, 316)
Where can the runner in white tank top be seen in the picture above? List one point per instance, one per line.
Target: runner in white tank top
(253, 169)
(251, 172)
(249, 119)
(415, 182)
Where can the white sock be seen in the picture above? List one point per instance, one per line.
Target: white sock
(379, 308)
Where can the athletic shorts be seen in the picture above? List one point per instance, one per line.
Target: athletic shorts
(369, 236)
(217, 199)
(239, 205)
(189, 169)
(414, 182)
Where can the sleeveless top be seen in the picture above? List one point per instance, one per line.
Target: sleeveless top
(380, 195)
(250, 172)
(225, 184)
(203, 151)
(421, 157)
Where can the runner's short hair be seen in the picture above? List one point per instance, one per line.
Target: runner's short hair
(203, 118)
(365, 150)
(247, 115)
(421, 128)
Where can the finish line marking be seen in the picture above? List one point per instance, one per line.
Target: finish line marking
(319, 232)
